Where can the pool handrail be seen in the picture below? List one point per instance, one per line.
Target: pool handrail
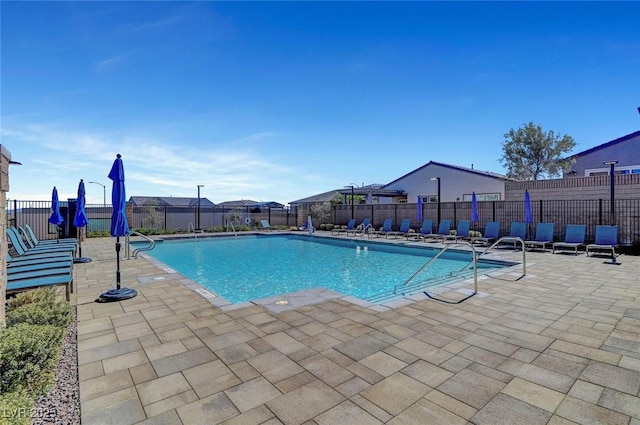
(127, 245)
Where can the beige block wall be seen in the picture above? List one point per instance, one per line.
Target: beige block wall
(5, 158)
(627, 186)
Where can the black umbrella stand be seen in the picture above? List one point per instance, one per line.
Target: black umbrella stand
(80, 258)
(119, 293)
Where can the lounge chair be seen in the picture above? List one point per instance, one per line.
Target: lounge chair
(543, 237)
(19, 246)
(46, 266)
(264, 225)
(387, 227)
(462, 231)
(32, 240)
(350, 227)
(574, 238)
(362, 228)
(20, 282)
(405, 225)
(490, 235)
(606, 240)
(517, 232)
(425, 229)
(443, 230)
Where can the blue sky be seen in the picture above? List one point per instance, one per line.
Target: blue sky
(279, 101)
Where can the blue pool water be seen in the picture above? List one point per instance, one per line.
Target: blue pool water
(253, 267)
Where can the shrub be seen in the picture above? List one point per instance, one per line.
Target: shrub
(16, 408)
(35, 296)
(28, 357)
(53, 313)
(98, 233)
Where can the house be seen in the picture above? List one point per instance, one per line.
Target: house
(454, 183)
(168, 201)
(596, 161)
(243, 203)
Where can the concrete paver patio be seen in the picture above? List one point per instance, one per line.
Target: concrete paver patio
(560, 346)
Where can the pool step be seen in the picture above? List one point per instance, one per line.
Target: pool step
(423, 285)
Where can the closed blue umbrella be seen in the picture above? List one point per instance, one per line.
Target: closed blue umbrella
(475, 217)
(80, 220)
(119, 227)
(528, 214)
(55, 218)
(419, 206)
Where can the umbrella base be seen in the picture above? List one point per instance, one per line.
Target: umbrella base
(82, 260)
(116, 295)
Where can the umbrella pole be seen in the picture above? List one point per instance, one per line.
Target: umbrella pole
(118, 262)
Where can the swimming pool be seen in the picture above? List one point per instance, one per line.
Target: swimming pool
(254, 267)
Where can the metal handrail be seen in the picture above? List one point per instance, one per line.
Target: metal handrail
(507, 239)
(152, 244)
(232, 228)
(191, 227)
(428, 263)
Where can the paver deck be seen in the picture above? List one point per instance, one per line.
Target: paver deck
(559, 346)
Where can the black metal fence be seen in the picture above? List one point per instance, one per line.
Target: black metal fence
(560, 212)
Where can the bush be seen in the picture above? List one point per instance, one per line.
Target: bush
(28, 357)
(16, 408)
(35, 296)
(53, 313)
(98, 233)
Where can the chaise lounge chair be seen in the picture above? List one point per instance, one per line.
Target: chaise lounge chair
(264, 225)
(22, 250)
(425, 229)
(387, 227)
(362, 228)
(462, 231)
(574, 238)
(20, 282)
(543, 237)
(443, 230)
(490, 235)
(606, 240)
(517, 232)
(32, 240)
(350, 227)
(405, 225)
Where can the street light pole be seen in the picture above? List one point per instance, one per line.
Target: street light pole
(104, 193)
(438, 180)
(612, 178)
(352, 205)
(198, 221)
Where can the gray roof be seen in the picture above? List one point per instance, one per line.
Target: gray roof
(240, 203)
(322, 197)
(454, 167)
(169, 201)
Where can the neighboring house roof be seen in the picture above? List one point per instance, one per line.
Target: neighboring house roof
(607, 144)
(240, 203)
(169, 201)
(453, 167)
(270, 204)
(322, 197)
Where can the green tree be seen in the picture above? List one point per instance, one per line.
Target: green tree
(320, 212)
(531, 154)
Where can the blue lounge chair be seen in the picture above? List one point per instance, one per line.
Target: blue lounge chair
(517, 232)
(574, 238)
(23, 281)
(32, 241)
(405, 225)
(386, 228)
(19, 246)
(443, 230)
(462, 231)
(606, 240)
(491, 233)
(362, 228)
(543, 237)
(46, 266)
(350, 227)
(425, 229)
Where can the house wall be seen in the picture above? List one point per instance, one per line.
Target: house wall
(627, 153)
(454, 184)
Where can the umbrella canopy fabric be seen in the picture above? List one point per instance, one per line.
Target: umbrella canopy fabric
(56, 217)
(81, 219)
(528, 214)
(119, 224)
(419, 209)
(475, 217)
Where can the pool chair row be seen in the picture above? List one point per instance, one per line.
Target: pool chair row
(37, 263)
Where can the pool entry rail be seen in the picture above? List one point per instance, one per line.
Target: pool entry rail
(135, 252)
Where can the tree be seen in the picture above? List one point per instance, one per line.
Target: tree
(320, 212)
(530, 154)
